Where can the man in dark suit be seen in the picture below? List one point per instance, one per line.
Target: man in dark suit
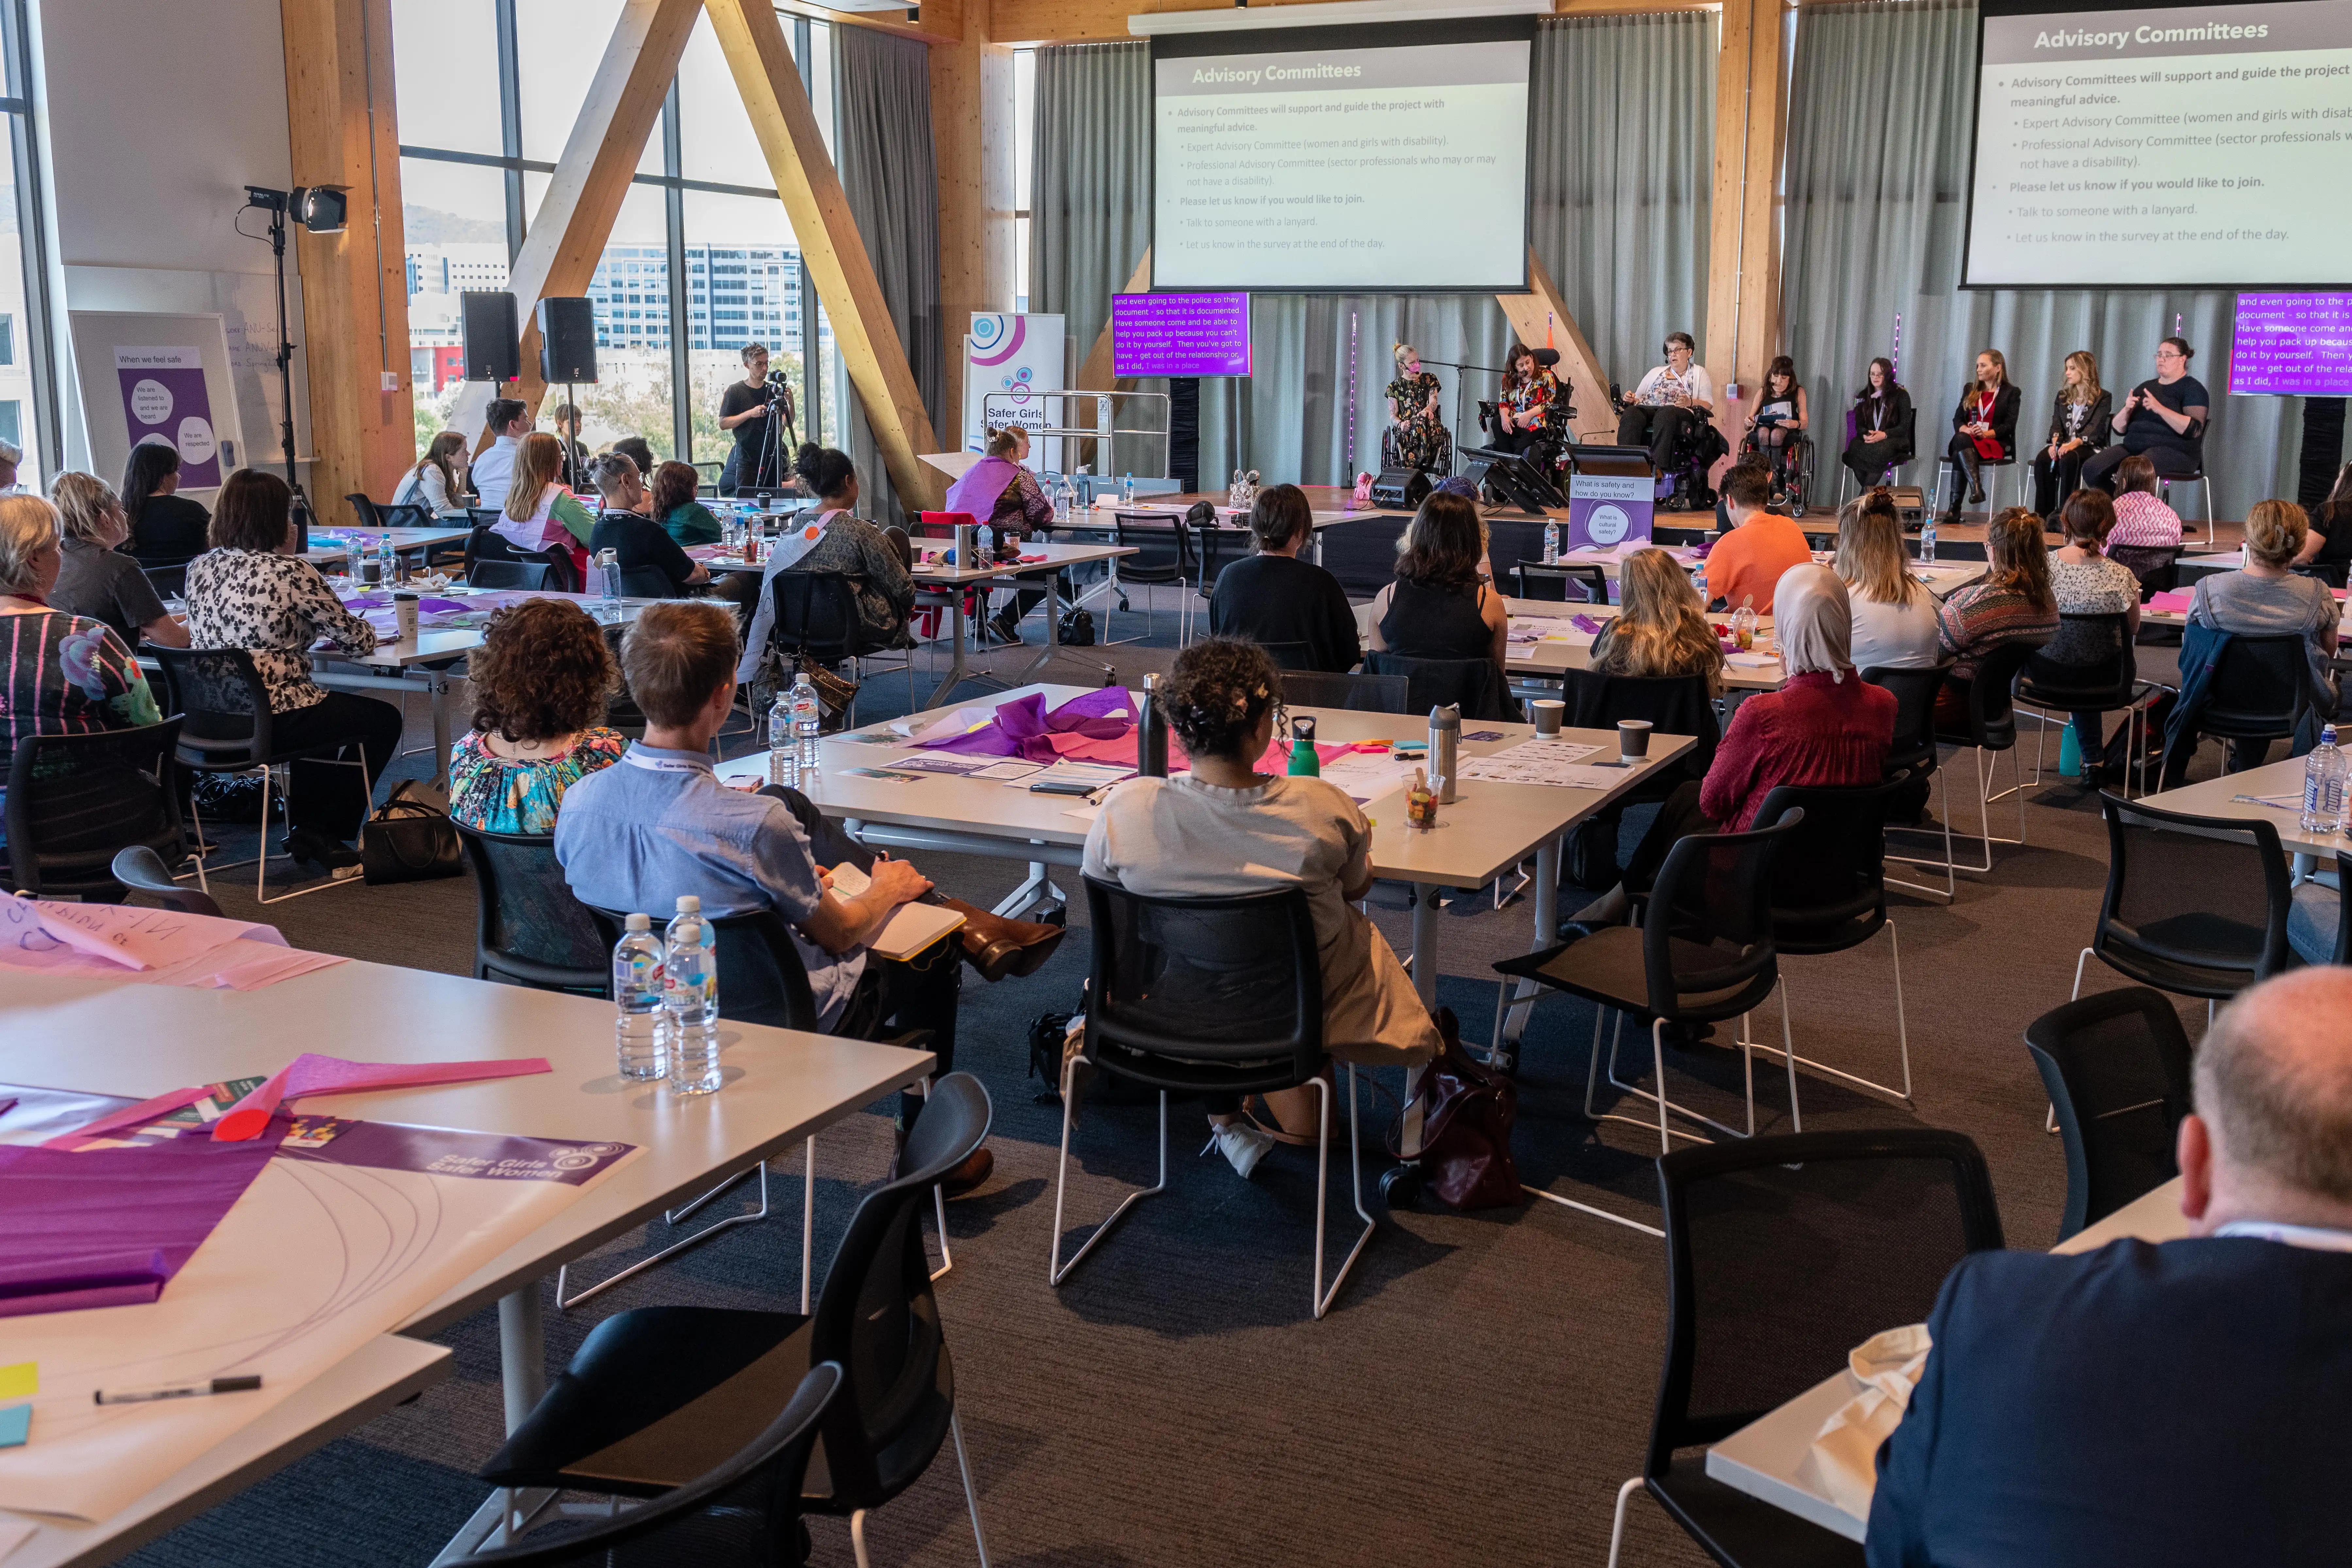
(2146, 1405)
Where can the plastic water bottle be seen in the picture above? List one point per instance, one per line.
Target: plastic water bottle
(1699, 582)
(985, 548)
(608, 567)
(690, 997)
(1551, 543)
(640, 1030)
(2322, 785)
(783, 757)
(808, 718)
(1927, 540)
(1127, 491)
(387, 562)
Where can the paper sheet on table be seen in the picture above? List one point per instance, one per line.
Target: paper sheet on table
(1752, 661)
(1843, 1459)
(1368, 775)
(312, 1074)
(351, 1230)
(14, 1534)
(1540, 762)
(151, 947)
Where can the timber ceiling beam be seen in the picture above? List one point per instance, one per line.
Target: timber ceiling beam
(1540, 318)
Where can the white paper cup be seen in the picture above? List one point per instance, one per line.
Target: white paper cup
(403, 613)
(1549, 713)
(1633, 738)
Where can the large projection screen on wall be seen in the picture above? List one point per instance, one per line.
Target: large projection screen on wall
(1389, 157)
(2179, 146)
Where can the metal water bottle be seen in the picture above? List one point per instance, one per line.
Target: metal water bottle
(1444, 743)
(1151, 732)
(1304, 761)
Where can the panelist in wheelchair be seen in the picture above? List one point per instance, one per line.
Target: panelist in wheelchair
(1776, 430)
(1675, 395)
(1530, 411)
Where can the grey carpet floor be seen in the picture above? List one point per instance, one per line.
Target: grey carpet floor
(1478, 1391)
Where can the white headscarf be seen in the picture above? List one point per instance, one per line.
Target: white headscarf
(1813, 621)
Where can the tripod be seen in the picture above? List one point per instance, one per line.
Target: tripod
(301, 507)
(779, 420)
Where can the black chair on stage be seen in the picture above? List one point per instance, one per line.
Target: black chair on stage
(1477, 684)
(2098, 673)
(2116, 1064)
(1351, 694)
(1208, 996)
(1590, 582)
(527, 928)
(2196, 476)
(744, 1513)
(2194, 905)
(2260, 690)
(76, 801)
(141, 870)
(528, 576)
(656, 1392)
(1903, 450)
(1783, 1254)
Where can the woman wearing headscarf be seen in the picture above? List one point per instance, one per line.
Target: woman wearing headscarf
(1826, 725)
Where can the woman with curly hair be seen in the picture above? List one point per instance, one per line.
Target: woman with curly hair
(1225, 828)
(1660, 628)
(541, 682)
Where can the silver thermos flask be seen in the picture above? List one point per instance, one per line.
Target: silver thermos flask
(1444, 742)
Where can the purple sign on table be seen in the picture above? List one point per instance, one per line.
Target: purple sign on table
(1180, 334)
(165, 398)
(2294, 345)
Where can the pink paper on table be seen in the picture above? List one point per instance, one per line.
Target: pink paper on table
(311, 1074)
(2175, 600)
(148, 947)
(137, 1115)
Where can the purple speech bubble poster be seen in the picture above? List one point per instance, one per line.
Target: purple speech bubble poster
(163, 394)
(1180, 334)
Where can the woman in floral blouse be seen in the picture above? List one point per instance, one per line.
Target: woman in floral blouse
(67, 675)
(1418, 434)
(1530, 389)
(251, 591)
(541, 684)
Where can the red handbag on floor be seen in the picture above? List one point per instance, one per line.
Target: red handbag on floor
(1468, 1110)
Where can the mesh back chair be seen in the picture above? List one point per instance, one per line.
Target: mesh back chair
(1914, 750)
(746, 1513)
(1349, 693)
(1216, 547)
(169, 582)
(370, 515)
(1591, 583)
(484, 545)
(656, 1392)
(2116, 1067)
(226, 727)
(1703, 954)
(2159, 570)
(74, 801)
(1478, 685)
(1782, 1255)
(1218, 996)
(141, 870)
(525, 576)
(1162, 558)
(2194, 905)
(2260, 687)
(815, 622)
(527, 928)
(2090, 667)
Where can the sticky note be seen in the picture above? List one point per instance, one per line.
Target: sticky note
(21, 1381)
(16, 1425)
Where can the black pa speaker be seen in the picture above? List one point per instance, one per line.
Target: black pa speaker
(492, 339)
(567, 340)
(1510, 476)
(1401, 489)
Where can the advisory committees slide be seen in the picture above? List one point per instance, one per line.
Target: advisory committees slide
(2189, 145)
(1389, 169)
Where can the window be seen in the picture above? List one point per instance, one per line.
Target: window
(28, 389)
(1024, 142)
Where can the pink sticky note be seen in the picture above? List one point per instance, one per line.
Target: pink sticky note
(311, 1074)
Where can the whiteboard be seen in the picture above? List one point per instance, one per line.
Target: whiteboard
(104, 340)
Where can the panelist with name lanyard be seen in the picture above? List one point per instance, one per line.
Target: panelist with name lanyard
(1671, 398)
(1984, 429)
(757, 412)
(2162, 420)
(1882, 427)
(1525, 409)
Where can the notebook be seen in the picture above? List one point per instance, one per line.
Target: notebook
(910, 930)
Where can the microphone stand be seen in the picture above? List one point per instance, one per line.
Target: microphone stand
(1452, 364)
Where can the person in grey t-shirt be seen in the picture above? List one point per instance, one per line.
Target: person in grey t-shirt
(95, 579)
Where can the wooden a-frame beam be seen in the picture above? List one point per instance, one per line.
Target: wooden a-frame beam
(1540, 317)
(831, 247)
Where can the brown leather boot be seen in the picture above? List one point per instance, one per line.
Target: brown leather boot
(997, 947)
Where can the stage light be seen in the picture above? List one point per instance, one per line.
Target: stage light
(321, 209)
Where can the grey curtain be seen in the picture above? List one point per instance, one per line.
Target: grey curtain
(1880, 102)
(1624, 112)
(890, 174)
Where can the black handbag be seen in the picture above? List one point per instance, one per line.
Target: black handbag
(1077, 629)
(410, 840)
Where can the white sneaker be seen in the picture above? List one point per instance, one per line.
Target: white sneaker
(1243, 1145)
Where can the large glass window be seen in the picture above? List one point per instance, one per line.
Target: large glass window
(27, 373)
(1024, 144)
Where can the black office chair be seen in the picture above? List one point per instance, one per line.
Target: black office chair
(1220, 995)
(226, 727)
(2116, 1064)
(761, 979)
(744, 1513)
(1216, 548)
(2090, 667)
(656, 1392)
(2259, 689)
(525, 576)
(1704, 953)
(141, 870)
(482, 544)
(647, 582)
(1477, 684)
(1914, 752)
(1163, 559)
(527, 928)
(1672, 705)
(74, 801)
(1590, 582)
(1991, 730)
(1349, 693)
(169, 582)
(2159, 570)
(2194, 905)
(1783, 1254)
(406, 514)
(815, 622)
(370, 515)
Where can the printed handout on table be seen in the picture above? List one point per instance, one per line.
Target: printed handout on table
(1540, 762)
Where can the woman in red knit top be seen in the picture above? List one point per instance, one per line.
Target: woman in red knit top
(1825, 726)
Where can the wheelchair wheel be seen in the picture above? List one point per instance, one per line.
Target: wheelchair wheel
(1795, 478)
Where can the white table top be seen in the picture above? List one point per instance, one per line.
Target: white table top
(337, 548)
(1762, 1458)
(1489, 828)
(2218, 798)
(1565, 647)
(435, 647)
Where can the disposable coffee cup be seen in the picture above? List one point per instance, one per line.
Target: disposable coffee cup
(404, 615)
(1549, 712)
(1633, 738)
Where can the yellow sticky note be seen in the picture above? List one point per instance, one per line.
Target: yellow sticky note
(21, 1381)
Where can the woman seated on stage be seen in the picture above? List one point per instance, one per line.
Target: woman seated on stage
(1440, 606)
(2084, 581)
(2011, 603)
(1779, 420)
(1224, 828)
(539, 511)
(2329, 541)
(541, 682)
(2267, 599)
(834, 539)
(1417, 432)
(1826, 725)
(1660, 628)
(2163, 419)
(1673, 396)
(1525, 409)
(1882, 427)
(1984, 429)
(1000, 491)
(2078, 428)
(682, 517)
(1895, 624)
